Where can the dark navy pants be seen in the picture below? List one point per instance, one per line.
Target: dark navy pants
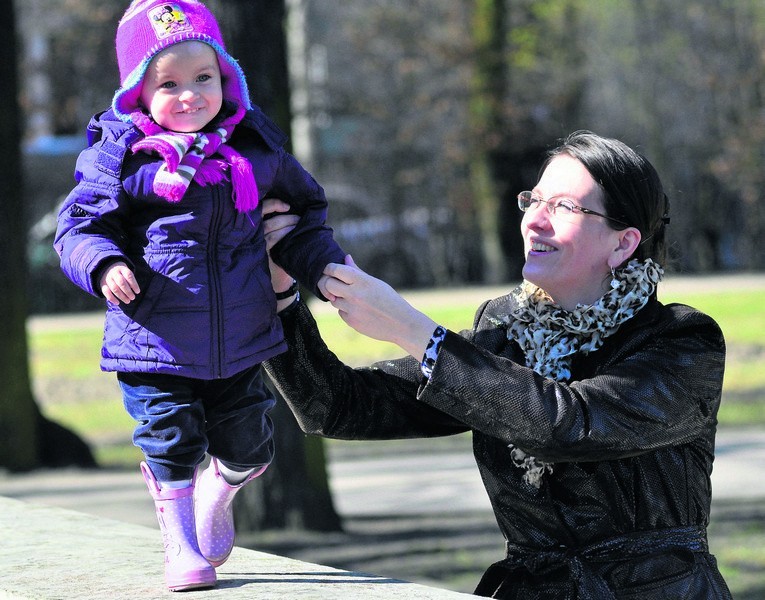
(181, 419)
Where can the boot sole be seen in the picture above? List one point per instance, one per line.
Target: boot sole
(199, 583)
(191, 586)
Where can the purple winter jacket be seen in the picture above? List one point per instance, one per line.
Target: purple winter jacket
(206, 308)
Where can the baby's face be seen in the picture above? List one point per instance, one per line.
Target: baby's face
(182, 88)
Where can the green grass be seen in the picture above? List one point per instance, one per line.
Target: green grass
(741, 315)
(70, 353)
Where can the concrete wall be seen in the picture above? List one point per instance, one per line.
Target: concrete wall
(51, 553)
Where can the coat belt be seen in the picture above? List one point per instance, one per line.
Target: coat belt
(590, 585)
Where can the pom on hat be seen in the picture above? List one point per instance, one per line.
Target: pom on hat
(150, 26)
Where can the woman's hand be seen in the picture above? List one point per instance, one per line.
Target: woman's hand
(275, 227)
(375, 309)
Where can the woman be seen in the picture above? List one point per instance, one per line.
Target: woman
(592, 405)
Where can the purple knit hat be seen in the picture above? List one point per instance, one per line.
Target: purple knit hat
(150, 26)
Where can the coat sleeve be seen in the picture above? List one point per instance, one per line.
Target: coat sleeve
(310, 247)
(331, 399)
(89, 234)
(659, 387)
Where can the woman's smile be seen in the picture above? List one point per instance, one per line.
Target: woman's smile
(541, 247)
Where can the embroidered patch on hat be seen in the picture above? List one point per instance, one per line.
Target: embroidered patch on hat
(168, 20)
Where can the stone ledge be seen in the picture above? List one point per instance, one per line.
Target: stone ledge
(52, 553)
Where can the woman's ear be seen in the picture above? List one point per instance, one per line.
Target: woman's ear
(628, 241)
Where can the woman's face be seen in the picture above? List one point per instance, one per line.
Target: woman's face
(570, 257)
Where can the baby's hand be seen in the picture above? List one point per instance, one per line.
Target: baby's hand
(118, 284)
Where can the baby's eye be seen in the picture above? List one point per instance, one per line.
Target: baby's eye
(168, 85)
(203, 78)
(565, 207)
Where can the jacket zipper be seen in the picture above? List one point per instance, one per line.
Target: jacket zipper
(216, 323)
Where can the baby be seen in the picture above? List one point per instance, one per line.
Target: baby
(164, 223)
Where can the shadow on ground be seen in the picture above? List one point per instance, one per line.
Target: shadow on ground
(449, 550)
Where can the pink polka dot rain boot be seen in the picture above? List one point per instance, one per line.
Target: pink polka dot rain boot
(185, 567)
(215, 516)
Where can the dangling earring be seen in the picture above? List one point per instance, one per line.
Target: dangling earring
(614, 280)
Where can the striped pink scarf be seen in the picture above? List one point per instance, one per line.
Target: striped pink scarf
(188, 156)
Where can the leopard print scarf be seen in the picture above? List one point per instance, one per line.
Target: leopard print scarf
(550, 335)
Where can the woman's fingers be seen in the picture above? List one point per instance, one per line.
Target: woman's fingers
(276, 226)
(322, 285)
(346, 273)
(273, 205)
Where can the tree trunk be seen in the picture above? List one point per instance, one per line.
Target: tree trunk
(294, 492)
(27, 439)
(488, 98)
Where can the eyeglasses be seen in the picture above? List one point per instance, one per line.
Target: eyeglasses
(560, 208)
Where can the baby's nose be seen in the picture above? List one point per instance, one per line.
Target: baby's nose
(187, 94)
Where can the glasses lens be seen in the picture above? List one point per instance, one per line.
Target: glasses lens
(524, 201)
(560, 209)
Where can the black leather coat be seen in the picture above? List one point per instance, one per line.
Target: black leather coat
(623, 513)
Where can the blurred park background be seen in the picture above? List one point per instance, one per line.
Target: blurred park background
(422, 119)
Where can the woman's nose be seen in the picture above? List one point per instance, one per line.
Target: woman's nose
(537, 216)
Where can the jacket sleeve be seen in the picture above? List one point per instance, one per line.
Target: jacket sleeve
(310, 247)
(89, 234)
(332, 399)
(660, 387)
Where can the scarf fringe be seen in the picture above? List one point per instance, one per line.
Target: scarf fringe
(243, 180)
(212, 171)
(168, 191)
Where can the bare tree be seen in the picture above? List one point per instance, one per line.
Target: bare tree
(391, 122)
(683, 82)
(493, 167)
(27, 439)
(18, 412)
